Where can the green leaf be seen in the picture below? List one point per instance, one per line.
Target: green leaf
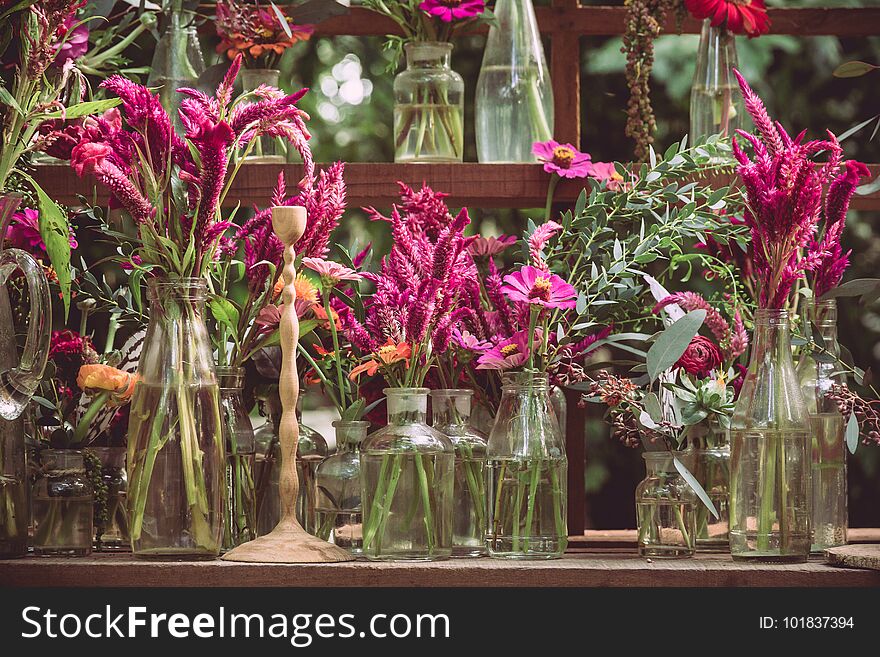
(282, 20)
(673, 342)
(8, 99)
(856, 128)
(652, 406)
(693, 483)
(55, 233)
(83, 109)
(852, 433)
(225, 312)
(853, 69)
(854, 288)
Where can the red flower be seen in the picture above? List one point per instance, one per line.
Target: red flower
(701, 357)
(738, 16)
(88, 156)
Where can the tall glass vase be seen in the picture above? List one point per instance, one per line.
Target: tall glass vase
(716, 102)
(265, 149)
(451, 411)
(240, 512)
(527, 473)
(111, 521)
(340, 519)
(428, 106)
(514, 97)
(176, 453)
(708, 449)
(407, 471)
(770, 452)
(817, 375)
(311, 450)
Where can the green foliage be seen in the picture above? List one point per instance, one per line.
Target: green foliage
(671, 344)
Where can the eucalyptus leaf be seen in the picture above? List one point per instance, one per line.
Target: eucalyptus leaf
(695, 485)
(673, 342)
(852, 433)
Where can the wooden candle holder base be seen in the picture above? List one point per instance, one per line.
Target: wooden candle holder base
(288, 543)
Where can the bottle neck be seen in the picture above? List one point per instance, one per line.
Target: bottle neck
(772, 336)
(407, 405)
(660, 462)
(823, 317)
(230, 379)
(717, 57)
(451, 408)
(428, 55)
(350, 434)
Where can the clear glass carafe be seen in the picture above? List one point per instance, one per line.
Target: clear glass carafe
(708, 449)
(176, 454)
(407, 473)
(770, 452)
(340, 518)
(265, 149)
(311, 450)
(428, 106)
(527, 473)
(240, 512)
(818, 373)
(111, 522)
(63, 501)
(514, 96)
(665, 509)
(451, 411)
(716, 102)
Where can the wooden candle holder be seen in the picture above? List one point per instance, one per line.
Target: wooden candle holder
(288, 542)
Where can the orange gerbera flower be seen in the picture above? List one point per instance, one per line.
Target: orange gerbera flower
(387, 354)
(104, 377)
(321, 314)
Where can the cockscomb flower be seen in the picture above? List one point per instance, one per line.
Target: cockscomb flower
(331, 273)
(563, 159)
(538, 239)
(453, 10)
(535, 287)
(508, 353)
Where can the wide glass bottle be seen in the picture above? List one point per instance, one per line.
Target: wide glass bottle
(716, 102)
(428, 106)
(527, 473)
(514, 96)
(451, 411)
(708, 450)
(338, 478)
(240, 511)
(818, 373)
(665, 509)
(176, 454)
(62, 505)
(770, 452)
(111, 522)
(407, 472)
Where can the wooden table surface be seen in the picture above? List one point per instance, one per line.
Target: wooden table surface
(600, 558)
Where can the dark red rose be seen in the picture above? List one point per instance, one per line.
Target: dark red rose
(701, 357)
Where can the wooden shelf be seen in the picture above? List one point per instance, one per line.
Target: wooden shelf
(375, 184)
(598, 559)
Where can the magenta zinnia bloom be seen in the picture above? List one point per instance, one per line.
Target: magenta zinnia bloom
(453, 10)
(490, 246)
(470, 342)
(331, 272)
(508, 353)
(563, 159)
(533, 286)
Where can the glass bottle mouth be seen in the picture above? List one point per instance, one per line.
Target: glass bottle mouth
(773, 316)
(192, 289)
(230, 378)
(527, 379)
(823, 312)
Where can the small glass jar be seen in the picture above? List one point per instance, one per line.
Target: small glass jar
(665, 506)
(339, 488)
(709, 452)
(111, 521)
(451, 410)
(265, 150)
(240, 517)
(63, 505)
(428, 106)
(407, 471)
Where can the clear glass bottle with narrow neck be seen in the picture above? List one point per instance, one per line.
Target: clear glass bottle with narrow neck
(708, 449)
(665, 506)
(527, 473)
(451, 411)
(311, 450)
(407, 472)
(111, 528)
(716, 102)
(818, 373)
(240, 518)
(339, 488)
(770, 452)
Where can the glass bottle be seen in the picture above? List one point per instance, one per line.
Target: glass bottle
(62, 505)
(817, 374)
(176, 455)
(407, 471)
(451, 410)
(177, 60)
(240, 511)
(770, 452)
(339, 488)
(716, 102)
(428, 106)
(111, 522)
(665, 509)
(514, 96)
(310, 453)
(266, 150)
(267, 495)
(709, 452)
(527, 473)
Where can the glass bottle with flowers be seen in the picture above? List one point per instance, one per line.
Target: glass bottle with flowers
(174, 192)
(428, 94)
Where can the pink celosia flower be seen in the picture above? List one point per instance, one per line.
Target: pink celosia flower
(563, 159)
(488, 247)
(533, 286)
(453, 10)
(331, 272)
(508, 353)
(538, 239)
(24, 233)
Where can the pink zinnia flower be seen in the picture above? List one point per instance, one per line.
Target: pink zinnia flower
(508, 353)
(331, 272)
(533, 286)
(77, 43)
(605, 172)
(490, 246)
(453, 10)
(563, 159)
(470, 342)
